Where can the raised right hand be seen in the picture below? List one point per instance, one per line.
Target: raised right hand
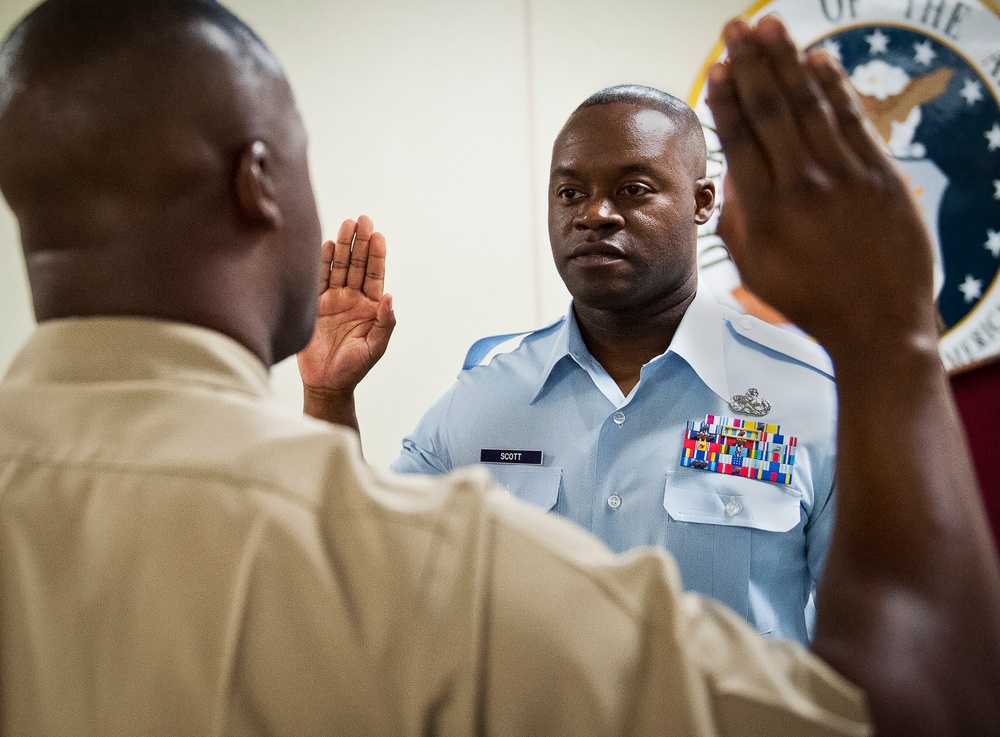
(355, 318)
(833, 238)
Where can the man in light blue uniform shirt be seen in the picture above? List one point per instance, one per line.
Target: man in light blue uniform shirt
(611, 463)
(650, 414)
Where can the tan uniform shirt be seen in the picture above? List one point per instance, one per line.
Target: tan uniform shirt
(181, 555)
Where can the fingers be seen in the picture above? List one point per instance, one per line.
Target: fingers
(731, 226)
(745, 159)
(357, 259)
(326, 256)
(763, 98)
(374, 275)
(359, 253)
(342, 254)
(855, 128)
(805, 97)
(781, 114)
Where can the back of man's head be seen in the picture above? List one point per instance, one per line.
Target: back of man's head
(152, 145)
(72, 72)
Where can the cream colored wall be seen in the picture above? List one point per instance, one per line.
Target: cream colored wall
(436, 118)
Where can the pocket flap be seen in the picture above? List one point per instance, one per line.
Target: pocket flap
(719, 500)
(537, 485)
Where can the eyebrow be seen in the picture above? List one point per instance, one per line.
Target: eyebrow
(640, 168)
(562, 171)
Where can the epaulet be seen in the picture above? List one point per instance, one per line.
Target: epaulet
(486, 349)
(780, 340)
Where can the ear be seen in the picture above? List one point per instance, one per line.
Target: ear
(255, 190)
(704, 200)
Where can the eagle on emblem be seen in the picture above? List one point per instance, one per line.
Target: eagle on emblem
(892, 100)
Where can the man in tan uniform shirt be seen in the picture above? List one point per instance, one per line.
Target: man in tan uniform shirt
(181, 555)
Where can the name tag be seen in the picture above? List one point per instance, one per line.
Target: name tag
(495, 455)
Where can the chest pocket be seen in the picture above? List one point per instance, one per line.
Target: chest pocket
(719, 519)
(537, 485)
(715, 499)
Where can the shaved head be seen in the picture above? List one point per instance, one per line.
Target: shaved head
(685, 119)
(153, 154)
(627, 192)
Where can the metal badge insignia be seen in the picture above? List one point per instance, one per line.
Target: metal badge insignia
(750, 403)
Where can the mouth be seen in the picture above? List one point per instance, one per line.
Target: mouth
(595, 254)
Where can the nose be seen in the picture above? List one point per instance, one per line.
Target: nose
(598, 213)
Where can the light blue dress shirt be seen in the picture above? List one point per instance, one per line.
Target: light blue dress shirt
(611, 463)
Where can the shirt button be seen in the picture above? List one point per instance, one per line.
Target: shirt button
(614, 501)
(619, 418)
(746, 324)
(733, 508)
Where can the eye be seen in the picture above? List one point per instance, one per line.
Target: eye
(568, 194)
(635, 190)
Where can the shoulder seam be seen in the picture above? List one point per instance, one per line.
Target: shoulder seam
(240, 483)
(789, 344)
(484, 350)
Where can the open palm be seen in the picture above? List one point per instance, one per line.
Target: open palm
(355, 318)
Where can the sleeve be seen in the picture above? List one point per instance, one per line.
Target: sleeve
(819, 532)
(819, 528)
(426, 450)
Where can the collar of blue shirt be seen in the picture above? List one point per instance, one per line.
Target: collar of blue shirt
(698, 340)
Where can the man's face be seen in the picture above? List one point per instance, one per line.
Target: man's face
(626, 194)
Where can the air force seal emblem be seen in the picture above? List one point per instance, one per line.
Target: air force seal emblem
(928, 74)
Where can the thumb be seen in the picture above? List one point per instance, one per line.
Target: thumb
(385, 323)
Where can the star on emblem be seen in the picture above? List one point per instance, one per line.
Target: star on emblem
(996, 189)
(833, 49)
(993, 136)
(923, 53)
(878, 42)
(972, 91)
(971, 288)
(993, 242)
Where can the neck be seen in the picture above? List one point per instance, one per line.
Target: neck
(70, 283)
(625, 341)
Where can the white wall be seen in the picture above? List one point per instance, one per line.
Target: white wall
(436, 118)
